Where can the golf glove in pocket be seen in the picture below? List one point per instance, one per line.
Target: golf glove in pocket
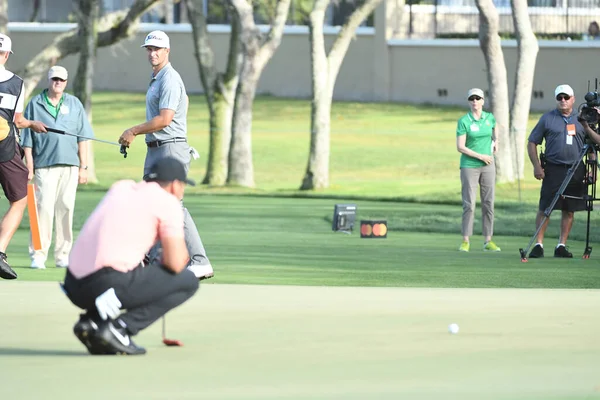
(194, 153)
(108, 304)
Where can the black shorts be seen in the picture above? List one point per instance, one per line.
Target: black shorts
(554, 177)
(13, 177)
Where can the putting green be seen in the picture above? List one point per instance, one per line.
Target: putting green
(292, 342)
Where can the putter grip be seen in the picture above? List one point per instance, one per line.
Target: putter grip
(55, 130)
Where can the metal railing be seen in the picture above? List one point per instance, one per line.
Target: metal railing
(460, 18)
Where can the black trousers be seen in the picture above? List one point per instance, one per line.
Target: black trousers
(147, 293)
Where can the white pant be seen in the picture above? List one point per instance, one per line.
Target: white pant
(55, 191)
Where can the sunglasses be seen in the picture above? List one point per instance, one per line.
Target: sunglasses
(562, 97)
(59, 80)
(472, 98)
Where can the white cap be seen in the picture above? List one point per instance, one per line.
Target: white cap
(475, 92)
(157, 39)
(5, 43)
(565, 89)
(58, 72)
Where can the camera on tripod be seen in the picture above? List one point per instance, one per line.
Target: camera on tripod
(588, 111)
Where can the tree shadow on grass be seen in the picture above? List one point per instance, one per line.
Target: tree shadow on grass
(16, 351)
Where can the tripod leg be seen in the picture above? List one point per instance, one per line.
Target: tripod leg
(534, 237)
(588, 249)
(592, 164)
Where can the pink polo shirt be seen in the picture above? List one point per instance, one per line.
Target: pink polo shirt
(124, 226)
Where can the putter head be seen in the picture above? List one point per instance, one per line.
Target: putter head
(587, 252)
(523, 255)
(172, 343)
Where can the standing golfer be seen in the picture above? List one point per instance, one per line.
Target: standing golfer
(105, 274)
(13, 172)
(166, 134)
(57, 164)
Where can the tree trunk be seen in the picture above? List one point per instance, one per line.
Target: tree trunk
(4, 16)
(167, 12)
(241, 168)
(526, 58)
(257, 50)
(317, 170)
(489, 41)
(112, 28)
(219, 90)
(325, 69)
(89, 12)
(35, 9)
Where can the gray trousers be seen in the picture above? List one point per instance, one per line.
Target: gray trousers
(485, 178)
(180, 151)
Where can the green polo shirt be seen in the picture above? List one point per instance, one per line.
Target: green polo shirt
(479, 137)
(51, 108)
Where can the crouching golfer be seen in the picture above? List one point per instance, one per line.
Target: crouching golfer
(105, 274)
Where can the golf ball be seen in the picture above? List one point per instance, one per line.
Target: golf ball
(453, 328)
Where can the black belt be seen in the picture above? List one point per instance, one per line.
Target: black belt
(158, 143)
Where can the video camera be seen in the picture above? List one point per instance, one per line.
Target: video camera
(588, 111)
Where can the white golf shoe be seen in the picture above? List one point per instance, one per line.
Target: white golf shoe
(202, 271)
(37, 264)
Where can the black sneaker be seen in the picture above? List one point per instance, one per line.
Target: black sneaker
(85, 329)
(113, 337)
(562, 252)
(537, 252)
(6, 272)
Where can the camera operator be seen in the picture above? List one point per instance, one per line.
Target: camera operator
(565, 137)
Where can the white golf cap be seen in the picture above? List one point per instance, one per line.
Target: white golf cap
(5, 43)
(565, 89)
(58, 72)
(157, 39)
(475, 92)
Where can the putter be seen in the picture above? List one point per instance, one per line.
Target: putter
(169, 342)
(122, 150)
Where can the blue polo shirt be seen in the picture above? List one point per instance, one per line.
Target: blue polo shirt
(552, 127)
(167, 91)
(50, 149)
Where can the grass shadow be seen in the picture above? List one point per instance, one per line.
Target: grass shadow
(12, 351)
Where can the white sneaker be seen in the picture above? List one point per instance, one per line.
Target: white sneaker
(36, 264)
(62, 264)
(202, 271)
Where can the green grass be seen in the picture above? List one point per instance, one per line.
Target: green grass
(250, 342)
(395, 161)
(377, 150)
(316, 314)
(289, 241)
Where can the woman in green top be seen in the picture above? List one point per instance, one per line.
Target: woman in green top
(476, 142)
